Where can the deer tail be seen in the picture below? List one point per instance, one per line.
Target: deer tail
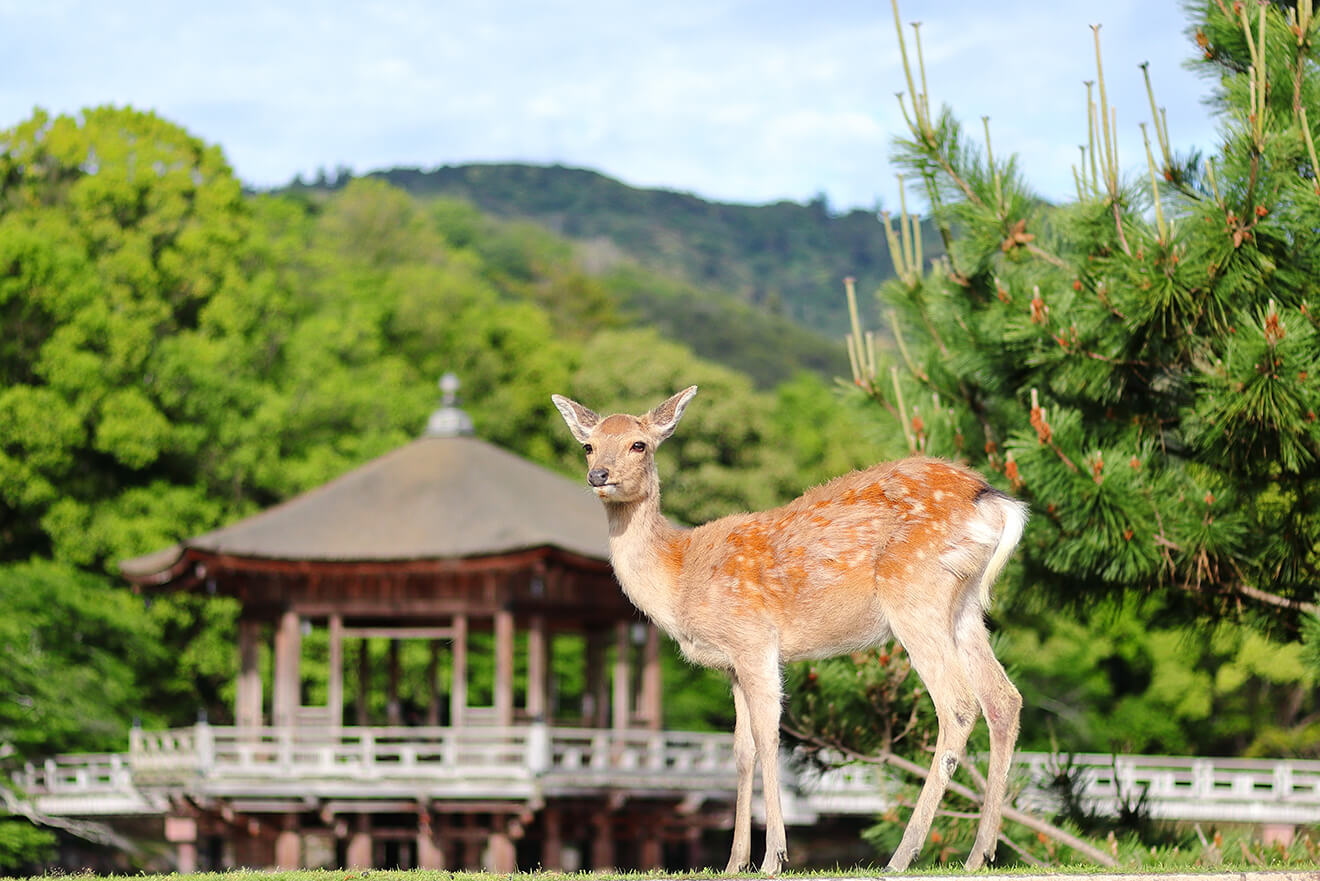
(1012, 519)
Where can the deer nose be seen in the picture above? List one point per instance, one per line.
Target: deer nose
(598, 476)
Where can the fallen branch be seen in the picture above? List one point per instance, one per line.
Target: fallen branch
(1010, 813)
(1036, 824)
(97, 833)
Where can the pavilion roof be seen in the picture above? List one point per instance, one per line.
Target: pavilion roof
(440, 497)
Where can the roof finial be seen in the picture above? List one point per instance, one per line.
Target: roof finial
(449, 420)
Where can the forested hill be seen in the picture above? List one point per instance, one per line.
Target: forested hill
(784, 258)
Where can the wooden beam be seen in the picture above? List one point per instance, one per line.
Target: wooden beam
(400, 632)
(218, 564)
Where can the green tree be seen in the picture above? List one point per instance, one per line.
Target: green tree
(1140, 363)
(72, 647)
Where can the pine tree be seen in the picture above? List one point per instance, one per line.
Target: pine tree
(1141, 363)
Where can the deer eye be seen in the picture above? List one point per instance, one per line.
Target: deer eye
(586, 448)
(639, 447)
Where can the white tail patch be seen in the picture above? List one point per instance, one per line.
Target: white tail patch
(1013, 520)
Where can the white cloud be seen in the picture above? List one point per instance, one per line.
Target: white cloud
(735, 100)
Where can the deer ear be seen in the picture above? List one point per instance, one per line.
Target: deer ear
(664, 418)
(580, 420)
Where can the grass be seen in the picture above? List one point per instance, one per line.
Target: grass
(1291, 869)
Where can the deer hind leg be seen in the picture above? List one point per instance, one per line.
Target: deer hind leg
(1002, 704)
(762, 690)
(744, 759)
(934, 656)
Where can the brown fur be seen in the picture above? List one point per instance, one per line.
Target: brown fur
(907, 549)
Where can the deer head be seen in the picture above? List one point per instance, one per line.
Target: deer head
(621, 449)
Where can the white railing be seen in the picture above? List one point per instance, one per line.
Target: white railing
(377, 754)
(85, 784)
(501, 762)
(84, 772)
(1181, 788)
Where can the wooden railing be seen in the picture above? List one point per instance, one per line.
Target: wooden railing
(509, 762)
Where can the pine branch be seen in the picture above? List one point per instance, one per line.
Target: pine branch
(1273, 599)
(1250, 592)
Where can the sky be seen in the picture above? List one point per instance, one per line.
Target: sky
(747, 102)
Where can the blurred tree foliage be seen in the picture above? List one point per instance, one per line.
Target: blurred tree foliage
(744, 275)
(177, 355)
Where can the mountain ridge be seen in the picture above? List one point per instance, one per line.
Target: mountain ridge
(783, 258)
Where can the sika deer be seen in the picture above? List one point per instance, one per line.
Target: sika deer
(908, 549)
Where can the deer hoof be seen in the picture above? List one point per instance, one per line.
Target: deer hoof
(773, 862)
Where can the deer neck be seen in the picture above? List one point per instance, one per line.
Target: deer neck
(646, 551)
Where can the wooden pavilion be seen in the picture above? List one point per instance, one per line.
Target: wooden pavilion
(488, 560)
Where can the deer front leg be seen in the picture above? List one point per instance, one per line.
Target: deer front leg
(763, 692)
(744, 760)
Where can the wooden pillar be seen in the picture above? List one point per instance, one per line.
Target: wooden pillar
(247, 700)
(359, 844)
(287, 691)
(502, 855)
(363, 679)
(692, 838)
(182, 833)
(288, 844)
(552, 840)
(594, 700)
(429, 854)
(335, 683)
(652, 683)
(651, 851)
(504, 667)
(458, 687)
(602, 844)
(622, 669)
(432, 686)
(393, 709)
(538, 673)
(471, 842)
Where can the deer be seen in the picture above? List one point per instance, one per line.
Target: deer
(907, 550)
